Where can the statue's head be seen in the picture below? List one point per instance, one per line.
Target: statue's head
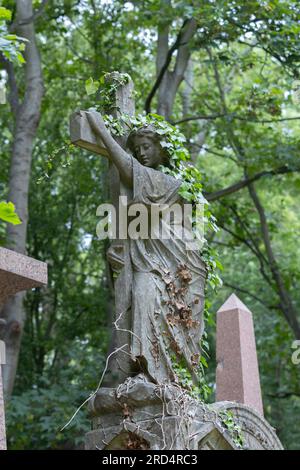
(145, 146)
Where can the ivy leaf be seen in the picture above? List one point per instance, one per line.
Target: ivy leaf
(157, 116)
(8, 214)
(163, 143)
(219, 265)
(91, 87)
(203, 361)
(186, 195)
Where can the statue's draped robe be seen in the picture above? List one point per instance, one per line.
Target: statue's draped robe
(159, 341)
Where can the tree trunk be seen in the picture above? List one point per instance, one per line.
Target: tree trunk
(27, 116)
(187, 89)
(172, 79)
(286, 303)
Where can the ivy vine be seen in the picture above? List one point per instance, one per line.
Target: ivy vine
(227, 418)
(105, 88)
(59, 157)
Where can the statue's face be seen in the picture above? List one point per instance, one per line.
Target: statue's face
(147, 152)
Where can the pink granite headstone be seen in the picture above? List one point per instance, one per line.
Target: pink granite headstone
(17, 273)
(237, 374)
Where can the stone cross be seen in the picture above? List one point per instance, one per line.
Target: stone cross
(17, 273)
(237, 375)
(118, 253)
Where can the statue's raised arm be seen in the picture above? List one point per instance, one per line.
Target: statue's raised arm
(117, 155)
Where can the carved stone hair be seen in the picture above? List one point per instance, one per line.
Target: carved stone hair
(150, 133)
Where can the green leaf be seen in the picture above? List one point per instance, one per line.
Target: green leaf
(7, 213)
(91, 87)
(11, 37)
(157, 116)
(203, 361)
(5, 14)
(219, 265)
(20, 58)
(186, 195)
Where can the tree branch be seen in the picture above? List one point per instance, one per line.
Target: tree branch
(187, 30)
(260, 37)
(204, 117)
(234, 142)
(245, 291)
(183, 55)
(283, 394)
(245, 182)
(285, 301)
(254, 251)
(83, 59)
(232, 116)
(248, 233)
(162, 45)
(162, 72)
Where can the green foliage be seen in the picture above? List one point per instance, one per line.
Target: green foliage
(5, 14)
(11, 45)
(234, 429)
(36, 417)
(105, 88)
(58, 157)
(8, 214)
(202, 391)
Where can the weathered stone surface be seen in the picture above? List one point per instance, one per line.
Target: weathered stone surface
(2, 414)
(82, 136)
(165, 417)
(135, 391)
(19, 272)
(237, 375)
(257, 432)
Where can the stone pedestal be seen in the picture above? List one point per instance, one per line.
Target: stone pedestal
(19, 272)
(141, 415)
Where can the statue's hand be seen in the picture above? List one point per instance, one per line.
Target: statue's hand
(96, 121)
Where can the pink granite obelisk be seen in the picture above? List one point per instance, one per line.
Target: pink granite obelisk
(237, 374)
